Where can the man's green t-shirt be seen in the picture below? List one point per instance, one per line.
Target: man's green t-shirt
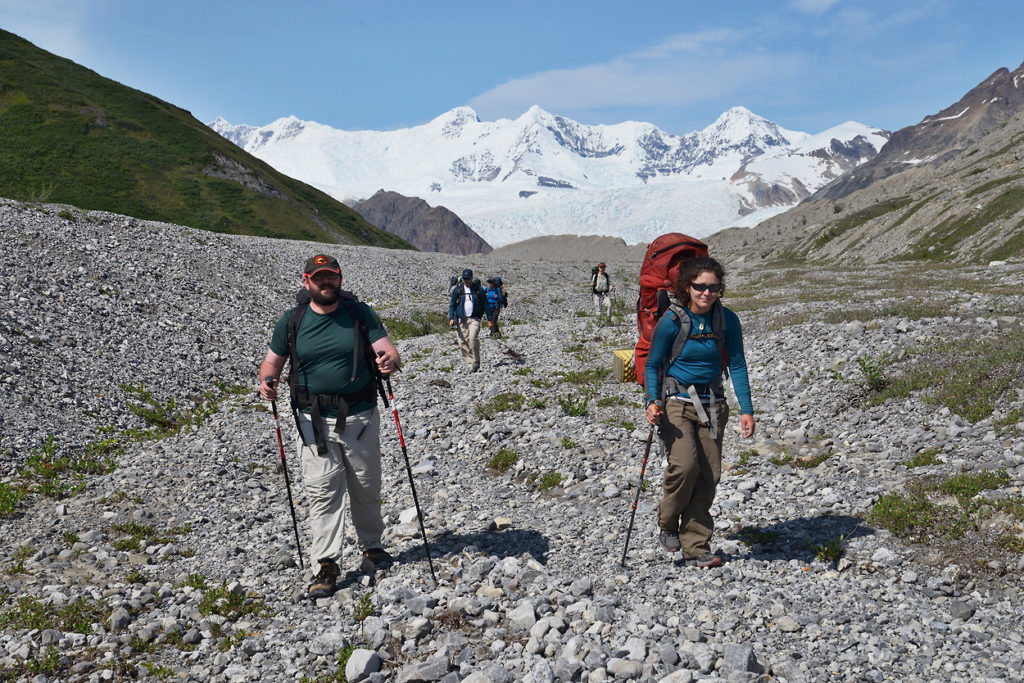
(324, 345)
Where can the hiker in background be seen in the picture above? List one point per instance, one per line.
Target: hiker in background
(334, 401)
(467, 306)
(494, 302)
(685, 396)
(602, 287)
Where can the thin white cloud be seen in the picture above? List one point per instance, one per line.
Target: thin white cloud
(812, 6)
(679, 71)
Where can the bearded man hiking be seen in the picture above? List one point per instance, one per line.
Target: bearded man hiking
(335, 406)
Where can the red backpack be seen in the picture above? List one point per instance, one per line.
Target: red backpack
(658, 274)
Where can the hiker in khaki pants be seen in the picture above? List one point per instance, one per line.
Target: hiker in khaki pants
(466, 307)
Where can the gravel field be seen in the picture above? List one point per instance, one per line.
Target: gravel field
(176, 559)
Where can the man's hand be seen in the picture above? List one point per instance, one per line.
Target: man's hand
(268, 388)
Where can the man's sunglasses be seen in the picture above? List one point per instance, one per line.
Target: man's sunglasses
(701, 287)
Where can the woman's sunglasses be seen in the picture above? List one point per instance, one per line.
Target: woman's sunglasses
(701, 287)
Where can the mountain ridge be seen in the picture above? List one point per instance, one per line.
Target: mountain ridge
(542, 173)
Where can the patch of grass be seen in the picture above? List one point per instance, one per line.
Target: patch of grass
(812, 461)
(621, 424)
(829, 551)
(858, 218)
(609, 401)
(574, 405)
(970, 377)
(20, 555)
(167, 419)
(159, 671)
(77, 616)
(538, 403)
(540, 383)
(418, 324)
(925, 458)
(135, 533)
(61, 476)
(780, 460)
(590, 376)
(568, 443)
(230, 604)
(9, 499)
(522, 371)
(1003, 424)
(914, 516)
(503, 402)
(549, 480)
(503, 460)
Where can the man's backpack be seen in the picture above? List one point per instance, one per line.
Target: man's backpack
(658, 274)
(501, 288)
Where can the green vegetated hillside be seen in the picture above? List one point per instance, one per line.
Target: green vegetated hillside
(69, 135)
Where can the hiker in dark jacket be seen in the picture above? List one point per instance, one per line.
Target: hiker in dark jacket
(692, 412)
(339, 427)
(467, 306)
(602, 288)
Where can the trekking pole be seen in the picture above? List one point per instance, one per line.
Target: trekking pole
(287, 482)
(632, 516)
(408, 468)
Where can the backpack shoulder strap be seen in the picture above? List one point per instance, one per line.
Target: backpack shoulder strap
(675, 310)
(718, 327)
(294, 321)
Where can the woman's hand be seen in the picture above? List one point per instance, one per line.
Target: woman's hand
(653, 414)
(747, 426)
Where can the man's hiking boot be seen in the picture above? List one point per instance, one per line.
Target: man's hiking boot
(669, 540)
(324, 582)
(375, 559)
(704, 561)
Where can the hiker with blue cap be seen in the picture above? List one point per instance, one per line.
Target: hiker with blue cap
(466, 306)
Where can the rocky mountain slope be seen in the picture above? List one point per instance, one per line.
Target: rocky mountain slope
(544, 174)
(588, 249)
(949, 188)
(175, 558)
(428, 228)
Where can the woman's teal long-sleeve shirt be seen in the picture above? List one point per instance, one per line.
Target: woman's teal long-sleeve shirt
(699, 362)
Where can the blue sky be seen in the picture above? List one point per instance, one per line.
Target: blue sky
(355, 65)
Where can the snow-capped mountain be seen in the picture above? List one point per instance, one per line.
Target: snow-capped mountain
(543, 174)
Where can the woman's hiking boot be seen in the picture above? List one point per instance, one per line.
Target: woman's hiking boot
(325, 581)
(669, 540)
(704, 561)
(375, 559)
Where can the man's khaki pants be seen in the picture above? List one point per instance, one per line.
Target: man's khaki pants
(350, 468)
(468, 332)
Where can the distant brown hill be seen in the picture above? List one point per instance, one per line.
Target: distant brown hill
(428, 228)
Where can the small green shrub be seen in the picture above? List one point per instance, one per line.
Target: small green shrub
(574, 405)
(538, 403)
(230, 604)
(549, 480)
(874, 379)
(830, 551)
(591, 376)
(9, 499)
(503, 460)
(364, 607)
(568, 443)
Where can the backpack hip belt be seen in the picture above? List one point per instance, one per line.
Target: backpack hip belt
(338, 402)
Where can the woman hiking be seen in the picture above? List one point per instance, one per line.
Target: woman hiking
(685, 396)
